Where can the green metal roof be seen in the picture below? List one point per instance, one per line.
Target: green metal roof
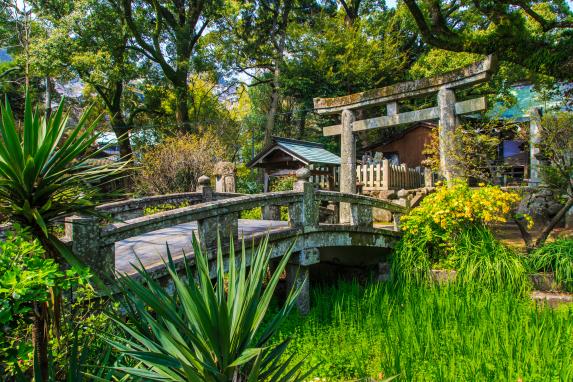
(306, 152)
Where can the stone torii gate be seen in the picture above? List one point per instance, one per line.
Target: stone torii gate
(446, 111)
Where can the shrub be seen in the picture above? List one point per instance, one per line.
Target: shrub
(432, 230)
(176, 164)
(25, 277)
(555, 257)
(205, 331)
(247, 182)
(283, 183)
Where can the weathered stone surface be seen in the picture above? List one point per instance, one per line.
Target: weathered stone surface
(304, 214)
(545, 282)
(223, 226)
(299, 277)
(470, 75)
(422, 115)
(539, 203)
(225, 177)
(84, 234)
(381, 216)
(448, 124)
(347, 163)
(306, 257)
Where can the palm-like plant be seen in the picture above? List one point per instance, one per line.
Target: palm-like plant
(206, 331)
(43, 178)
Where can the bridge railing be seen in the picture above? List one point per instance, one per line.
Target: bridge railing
(215, 215)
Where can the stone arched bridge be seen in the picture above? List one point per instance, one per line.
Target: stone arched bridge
(128, 237)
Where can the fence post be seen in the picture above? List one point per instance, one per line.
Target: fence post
(385, 174)
(84, 233)
(304, 214)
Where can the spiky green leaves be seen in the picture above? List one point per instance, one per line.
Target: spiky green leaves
(43, 176)
(205, 330)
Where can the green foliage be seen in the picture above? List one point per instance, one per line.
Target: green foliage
(25, 277)
(283, 183)
(557, 257)
(255, 213)
(164, 207)
(205, 331)
(556, 146)
(431, 334)
(247, 182)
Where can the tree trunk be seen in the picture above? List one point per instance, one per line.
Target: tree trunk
(182, 108)
(301, 124)
(271, 114)
(40, 340)
(530, 245)
(121, 131)
(48, 97)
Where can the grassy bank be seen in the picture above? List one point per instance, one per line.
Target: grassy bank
(432, 334)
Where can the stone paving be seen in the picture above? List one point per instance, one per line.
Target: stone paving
(150, 248)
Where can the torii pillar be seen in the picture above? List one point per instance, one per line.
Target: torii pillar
(347, 162)
(449, 121)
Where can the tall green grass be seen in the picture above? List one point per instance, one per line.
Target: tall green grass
(555, 257)
(483, 262)
(432, 334)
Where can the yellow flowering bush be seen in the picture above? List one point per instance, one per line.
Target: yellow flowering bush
(432, 230)
(451, 208)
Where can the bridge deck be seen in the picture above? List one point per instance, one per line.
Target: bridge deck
(150, 248)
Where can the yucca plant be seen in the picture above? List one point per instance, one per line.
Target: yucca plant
(206, 331)
(43, 178)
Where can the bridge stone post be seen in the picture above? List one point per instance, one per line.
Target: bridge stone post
(205, 188)
(223, 226)
(304, 215)
(404, 200)
(298, 273)
(84, 233)
(361, 215)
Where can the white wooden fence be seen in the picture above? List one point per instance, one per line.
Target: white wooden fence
(373, 177)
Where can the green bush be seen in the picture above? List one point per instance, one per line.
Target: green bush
(247, 182)
(164, 207)
(555, 257)
(25, 278)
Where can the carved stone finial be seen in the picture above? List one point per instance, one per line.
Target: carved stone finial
(303, 174)
(204, 180)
